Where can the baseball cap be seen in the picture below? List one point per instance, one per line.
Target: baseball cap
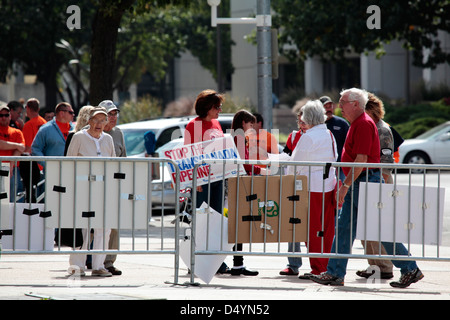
(108, 105)
(3, 106)
(97, 110)
(325, 100)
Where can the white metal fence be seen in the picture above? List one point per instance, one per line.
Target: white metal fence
(413, 210)
(73, 193)
(119, 193)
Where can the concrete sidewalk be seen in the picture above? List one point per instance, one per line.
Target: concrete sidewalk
(151, 276)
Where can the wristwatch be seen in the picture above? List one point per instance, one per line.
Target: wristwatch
(346, 185)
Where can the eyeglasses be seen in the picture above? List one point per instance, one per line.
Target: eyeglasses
(113, 114)
(343, 102)
(219, 107)
(4, 115)
(70, 112)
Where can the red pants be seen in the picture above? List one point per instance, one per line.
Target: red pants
(321, 237)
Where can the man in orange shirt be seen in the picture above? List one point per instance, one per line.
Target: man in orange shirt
(266, 142)
(12, 142)
(11, 139)
(32, 126)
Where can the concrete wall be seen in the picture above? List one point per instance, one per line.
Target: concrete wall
(393, 75)
(190, 77)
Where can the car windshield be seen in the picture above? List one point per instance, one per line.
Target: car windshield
(134, 140)
(433, 132)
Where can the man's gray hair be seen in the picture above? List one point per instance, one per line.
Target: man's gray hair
(313, 113)
(355, 94)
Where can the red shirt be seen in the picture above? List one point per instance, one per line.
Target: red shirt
(64, 127)
(362, 138)
(291, 144)
(30, 129)
(12, 135)
(198, 130)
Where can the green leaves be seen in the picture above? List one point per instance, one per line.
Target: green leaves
(330, 29)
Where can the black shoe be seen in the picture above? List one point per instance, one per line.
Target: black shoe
(114, 271)
(408, 278)
(223, 269)
(367, 275)
(243, 271)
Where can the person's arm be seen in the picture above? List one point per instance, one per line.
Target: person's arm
(74, 146)
(9, 145)
(37, 147)
(360, 158)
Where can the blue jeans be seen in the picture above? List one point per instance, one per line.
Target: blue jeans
(293, 262)
(337, 267)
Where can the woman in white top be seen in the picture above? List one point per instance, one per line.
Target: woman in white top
(317, 144)
(92, 142)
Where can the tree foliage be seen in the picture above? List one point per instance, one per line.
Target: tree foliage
(118, 41)
(330, 29)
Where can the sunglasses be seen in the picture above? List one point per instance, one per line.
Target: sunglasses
(70, 112)
(4, 115)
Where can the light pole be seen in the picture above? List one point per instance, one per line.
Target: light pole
(263, 21)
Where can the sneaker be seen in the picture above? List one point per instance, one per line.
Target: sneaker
(366, 274)
(306, 276)
(407, 278)
(288, 272)
(101, 273)
(76, 272)
(327, 279)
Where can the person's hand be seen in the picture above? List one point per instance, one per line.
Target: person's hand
(342, 193)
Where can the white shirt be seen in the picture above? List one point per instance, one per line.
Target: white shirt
(84, 145)
(317, 144)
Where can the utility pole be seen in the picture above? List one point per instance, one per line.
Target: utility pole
(263, 21)
(264, 39)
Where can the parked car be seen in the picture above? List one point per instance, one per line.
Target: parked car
(167, 132)
(431, 147)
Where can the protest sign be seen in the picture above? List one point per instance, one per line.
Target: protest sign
(187, 156)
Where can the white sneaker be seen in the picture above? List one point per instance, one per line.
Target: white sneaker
(101, 273)
(76, 272)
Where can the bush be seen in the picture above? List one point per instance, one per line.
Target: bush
(411, 121)
(146, 107)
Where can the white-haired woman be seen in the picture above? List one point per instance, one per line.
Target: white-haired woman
(317, 144)
(92, 142)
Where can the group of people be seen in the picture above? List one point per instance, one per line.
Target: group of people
(362, 137)
(95, 135)
(322, 136)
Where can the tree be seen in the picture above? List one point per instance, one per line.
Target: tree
(153, 33)
(28, 35)
(330, 29)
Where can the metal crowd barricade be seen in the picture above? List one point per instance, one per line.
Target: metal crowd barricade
(410, 211)
(86, 193)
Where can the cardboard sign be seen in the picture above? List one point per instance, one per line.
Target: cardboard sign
(421, 224)
(187, 156)
(277, 213)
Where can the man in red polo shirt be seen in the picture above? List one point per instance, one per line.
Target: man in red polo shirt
(362, 145)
